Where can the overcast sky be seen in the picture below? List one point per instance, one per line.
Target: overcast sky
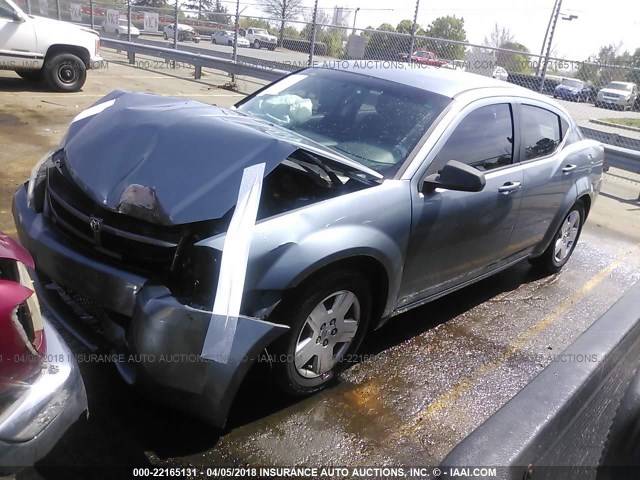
(600, 22)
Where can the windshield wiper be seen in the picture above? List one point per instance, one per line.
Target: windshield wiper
(335, 180)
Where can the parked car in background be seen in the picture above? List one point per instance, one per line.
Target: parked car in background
(121, 29)
(618, 95)
(186, 33)
(227, 37)
(41, 391)
(379, 190)
(573, 89)
(500, 73)
(259, 37)
(424, 58)
(39, 48)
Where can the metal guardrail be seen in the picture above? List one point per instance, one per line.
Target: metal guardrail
(198, 60)
(556, 426)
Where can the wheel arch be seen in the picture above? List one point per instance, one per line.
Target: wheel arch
(570, 199)
(369, 266)
(80, 52)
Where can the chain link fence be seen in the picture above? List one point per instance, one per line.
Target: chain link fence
(602, 96)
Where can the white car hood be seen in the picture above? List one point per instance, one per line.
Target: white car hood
(615, 92)
(63, 27)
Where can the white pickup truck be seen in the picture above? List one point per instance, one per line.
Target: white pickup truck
(259, 37)
(39, 48)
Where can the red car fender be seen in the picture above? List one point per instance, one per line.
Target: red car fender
(9, 248)
(20, 356)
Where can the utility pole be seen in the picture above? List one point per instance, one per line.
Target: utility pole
(313, 33)
(129, 21)
(414, 27)
(546, 58)
(236, 34)
(175, 28)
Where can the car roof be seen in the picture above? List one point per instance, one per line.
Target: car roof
(443, 81)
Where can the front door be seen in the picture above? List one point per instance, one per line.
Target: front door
(455, 235)
(17, 40)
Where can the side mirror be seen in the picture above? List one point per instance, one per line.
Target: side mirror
(17, 17)
(455, 176)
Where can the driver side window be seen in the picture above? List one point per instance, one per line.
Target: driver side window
(484, 139)
(5, 10)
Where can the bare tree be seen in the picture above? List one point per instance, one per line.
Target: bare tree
(282, 9)
(323, 18)
(498, 37)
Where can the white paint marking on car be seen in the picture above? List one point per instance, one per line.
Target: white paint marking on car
(233, 267)
(91, 111)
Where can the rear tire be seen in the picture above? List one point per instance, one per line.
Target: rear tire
(564, 242)
(308, 358)
(65, 72)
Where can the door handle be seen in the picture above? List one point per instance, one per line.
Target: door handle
(569, 168)
(509, 187)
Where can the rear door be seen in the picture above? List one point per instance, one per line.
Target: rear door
(549, 173)
(457, 236)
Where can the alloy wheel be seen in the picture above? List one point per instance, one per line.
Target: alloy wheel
(327, 334)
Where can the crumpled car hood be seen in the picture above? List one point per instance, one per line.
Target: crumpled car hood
(180, 158)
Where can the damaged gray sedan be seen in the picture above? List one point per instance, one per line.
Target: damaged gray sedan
(191, 238)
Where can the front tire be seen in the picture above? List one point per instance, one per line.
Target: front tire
(564, 242)
(329, 317)
(65, 72)
(256, 44)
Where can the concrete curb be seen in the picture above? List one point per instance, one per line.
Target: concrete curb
(615, 125)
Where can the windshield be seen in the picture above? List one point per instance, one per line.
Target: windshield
(572, 83)
(260, 31)
(620, 86)
(375, 122)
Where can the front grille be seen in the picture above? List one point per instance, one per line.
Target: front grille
(130, 242)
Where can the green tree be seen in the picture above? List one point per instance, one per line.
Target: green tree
(219, 14)
(405, 26)
(247, 22)
(150, 3)
(514, 62)
(447, 28)
(380, 45)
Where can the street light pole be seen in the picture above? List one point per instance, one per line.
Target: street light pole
(546, 34)
(355, 16)
(546, 57)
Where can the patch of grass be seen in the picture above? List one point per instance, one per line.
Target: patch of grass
(628, 122)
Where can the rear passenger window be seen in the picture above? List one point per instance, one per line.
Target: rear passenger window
(540, 133)
(484, 139)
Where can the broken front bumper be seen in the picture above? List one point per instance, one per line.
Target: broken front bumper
(44, 409)
(158, 341)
